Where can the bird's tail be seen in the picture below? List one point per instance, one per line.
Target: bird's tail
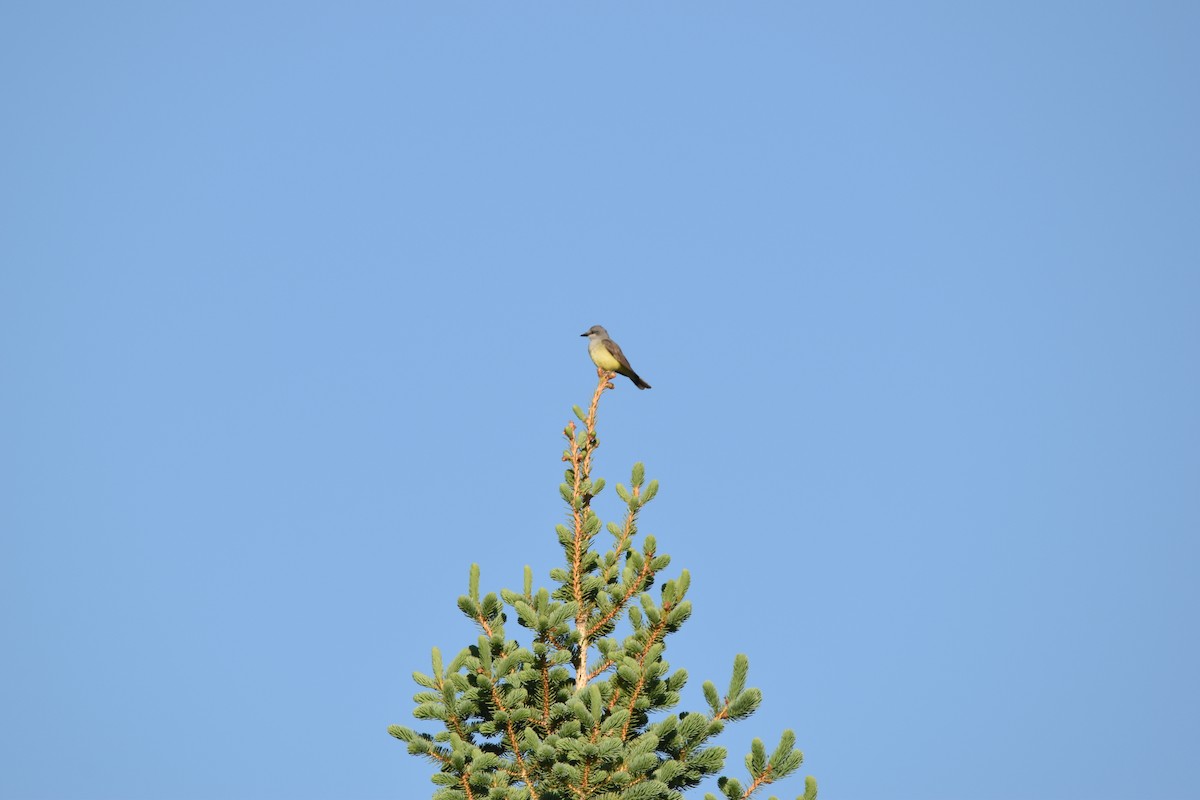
(638, 382)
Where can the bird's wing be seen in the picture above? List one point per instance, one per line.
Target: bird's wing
(612, 348)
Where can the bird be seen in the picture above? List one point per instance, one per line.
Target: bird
(607, 355)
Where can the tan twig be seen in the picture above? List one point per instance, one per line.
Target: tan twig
(581, 464)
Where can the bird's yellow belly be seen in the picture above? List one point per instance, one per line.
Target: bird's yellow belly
(603, 359)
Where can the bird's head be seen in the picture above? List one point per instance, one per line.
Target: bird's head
(595, 332)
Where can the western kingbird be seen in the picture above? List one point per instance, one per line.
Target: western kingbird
(608, 356)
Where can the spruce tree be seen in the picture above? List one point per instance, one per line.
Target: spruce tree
(578, 713)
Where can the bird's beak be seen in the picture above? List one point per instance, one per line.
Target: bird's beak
(583, 334)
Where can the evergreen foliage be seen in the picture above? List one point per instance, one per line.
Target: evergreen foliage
(545, 722)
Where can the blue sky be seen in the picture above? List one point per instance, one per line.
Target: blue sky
(290, 304)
